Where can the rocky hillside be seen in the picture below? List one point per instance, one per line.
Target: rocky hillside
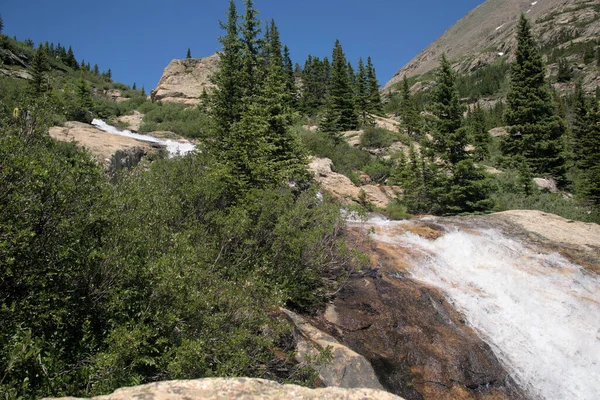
(184, 80)
(487, 33)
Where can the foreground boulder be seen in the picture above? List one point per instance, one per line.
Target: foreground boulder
(344, 367)
(238, 388)
(183, 81)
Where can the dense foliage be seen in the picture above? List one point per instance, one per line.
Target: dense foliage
(174, 270)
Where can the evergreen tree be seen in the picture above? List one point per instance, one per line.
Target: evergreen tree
(480, 137)
(143, 91)
(564, 71)
(352, 77)
(375, 105)
(449, 137)
(225, 103)
(535, 130)
(411, 119)
(70, 59)
(109, 74)
(251, 46)
(362, 93)
(189, 53)
(290, 80)
(83, 101)
(340, 114)
(96, 69)
(1, 25)
(134, 87)
(39, 83)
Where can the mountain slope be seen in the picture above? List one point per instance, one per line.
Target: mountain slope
(487, 33)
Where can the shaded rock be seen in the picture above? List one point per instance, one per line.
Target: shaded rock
(15, 73)
(184, 80)
(238, 388)
(346, 369)
(9, 58)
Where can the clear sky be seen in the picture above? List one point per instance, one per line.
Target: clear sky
(137, 39)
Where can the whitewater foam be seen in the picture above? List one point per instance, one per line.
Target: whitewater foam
(539, 312)
(173, 147)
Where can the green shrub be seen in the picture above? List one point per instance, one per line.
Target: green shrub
(377, 138)
(178, 118)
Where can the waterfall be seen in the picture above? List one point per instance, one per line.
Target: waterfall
(173, 147)
(539, 312)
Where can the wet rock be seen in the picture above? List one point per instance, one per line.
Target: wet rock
(418, 344)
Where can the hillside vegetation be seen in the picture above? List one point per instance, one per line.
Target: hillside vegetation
(177, 269)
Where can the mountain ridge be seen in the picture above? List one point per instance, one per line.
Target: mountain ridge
(486, 33)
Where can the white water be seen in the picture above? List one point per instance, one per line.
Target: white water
(173, 147)
(539, 312)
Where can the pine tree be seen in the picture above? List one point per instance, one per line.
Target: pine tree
(449, 137)
(39, 73)
(480, 136)
(251, 46)
(290, 80)
(535, 130)
(226, 99)
(411, 119)
(362, 95)
(134, 86)
(340, 114)
(564, 71)
(143, 91)
(109, 74)
(1, 24)
(70, 59)
(83, 101)
(96, 69)
(189, 53)
(375, 105)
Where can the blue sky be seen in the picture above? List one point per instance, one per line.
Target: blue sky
(137, 39)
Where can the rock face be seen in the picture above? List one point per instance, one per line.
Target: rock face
(184, 80)
(487, 33)
(346, 369)
(418, 344)
(342, 188)
(238, 388)
(113, 151)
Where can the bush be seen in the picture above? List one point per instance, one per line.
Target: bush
(183, 120)
(165, 275)
(377, 138)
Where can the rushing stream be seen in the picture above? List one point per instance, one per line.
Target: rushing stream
(539, 312)
(173, 147)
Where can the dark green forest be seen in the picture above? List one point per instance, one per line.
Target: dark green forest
(178, 268)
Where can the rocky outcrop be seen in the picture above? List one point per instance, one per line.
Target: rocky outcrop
(184, 80)
(238, 388)
(487, 33)
(114, 152)
(131, 122)
(341, 368)
(342, 188)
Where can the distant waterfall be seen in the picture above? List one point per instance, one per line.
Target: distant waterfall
(539, 312)
(173, 147)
